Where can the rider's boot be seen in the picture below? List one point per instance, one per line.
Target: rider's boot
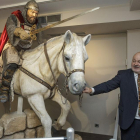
(6, 81)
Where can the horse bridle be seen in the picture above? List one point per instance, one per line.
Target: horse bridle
(66, 70)
(71, 72)
(68, 74)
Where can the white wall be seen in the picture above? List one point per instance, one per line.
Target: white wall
(133, 44)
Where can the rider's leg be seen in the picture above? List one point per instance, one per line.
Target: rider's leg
(6, 81)
(11, 61)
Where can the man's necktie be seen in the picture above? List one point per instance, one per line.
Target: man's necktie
(139, 93)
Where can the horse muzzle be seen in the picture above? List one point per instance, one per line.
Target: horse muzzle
(77, 88)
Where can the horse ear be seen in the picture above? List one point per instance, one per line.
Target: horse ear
(86, 39)
(68, 37)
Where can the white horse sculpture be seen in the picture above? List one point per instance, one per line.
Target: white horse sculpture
(35, 62)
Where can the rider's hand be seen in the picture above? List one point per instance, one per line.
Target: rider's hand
(87, 90)
(22, 34)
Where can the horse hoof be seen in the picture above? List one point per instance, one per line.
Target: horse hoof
(57, 126)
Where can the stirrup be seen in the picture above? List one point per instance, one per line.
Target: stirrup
(3, 98)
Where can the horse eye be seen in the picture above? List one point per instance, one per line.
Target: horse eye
(67, 59)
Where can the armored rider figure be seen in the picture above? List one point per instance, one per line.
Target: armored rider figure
(18, 40)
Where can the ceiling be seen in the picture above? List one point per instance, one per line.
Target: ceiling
(134, 5)
(62, 5)
(96, 29)
(53, 6)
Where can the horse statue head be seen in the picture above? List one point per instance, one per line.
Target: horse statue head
(72, 61)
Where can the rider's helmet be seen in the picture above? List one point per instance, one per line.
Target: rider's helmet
(32, 5)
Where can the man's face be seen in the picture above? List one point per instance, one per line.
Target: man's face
(31, 16)
(135, 65)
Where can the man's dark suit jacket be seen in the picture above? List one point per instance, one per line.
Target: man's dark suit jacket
(128, 95)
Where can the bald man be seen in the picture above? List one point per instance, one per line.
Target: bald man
(129, 112)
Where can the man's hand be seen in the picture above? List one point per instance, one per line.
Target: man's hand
(87, 90)
(22, 34)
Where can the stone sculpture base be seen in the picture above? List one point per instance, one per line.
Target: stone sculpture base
(19, 126)
(23, 125)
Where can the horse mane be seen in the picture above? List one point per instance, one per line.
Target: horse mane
(33, 54)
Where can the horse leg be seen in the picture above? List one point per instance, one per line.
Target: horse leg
(20, 105)
(65, 107)
(37, 103)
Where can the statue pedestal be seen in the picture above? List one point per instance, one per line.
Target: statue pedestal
(13, 122)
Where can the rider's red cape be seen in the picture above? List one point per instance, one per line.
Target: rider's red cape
(4, 36)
